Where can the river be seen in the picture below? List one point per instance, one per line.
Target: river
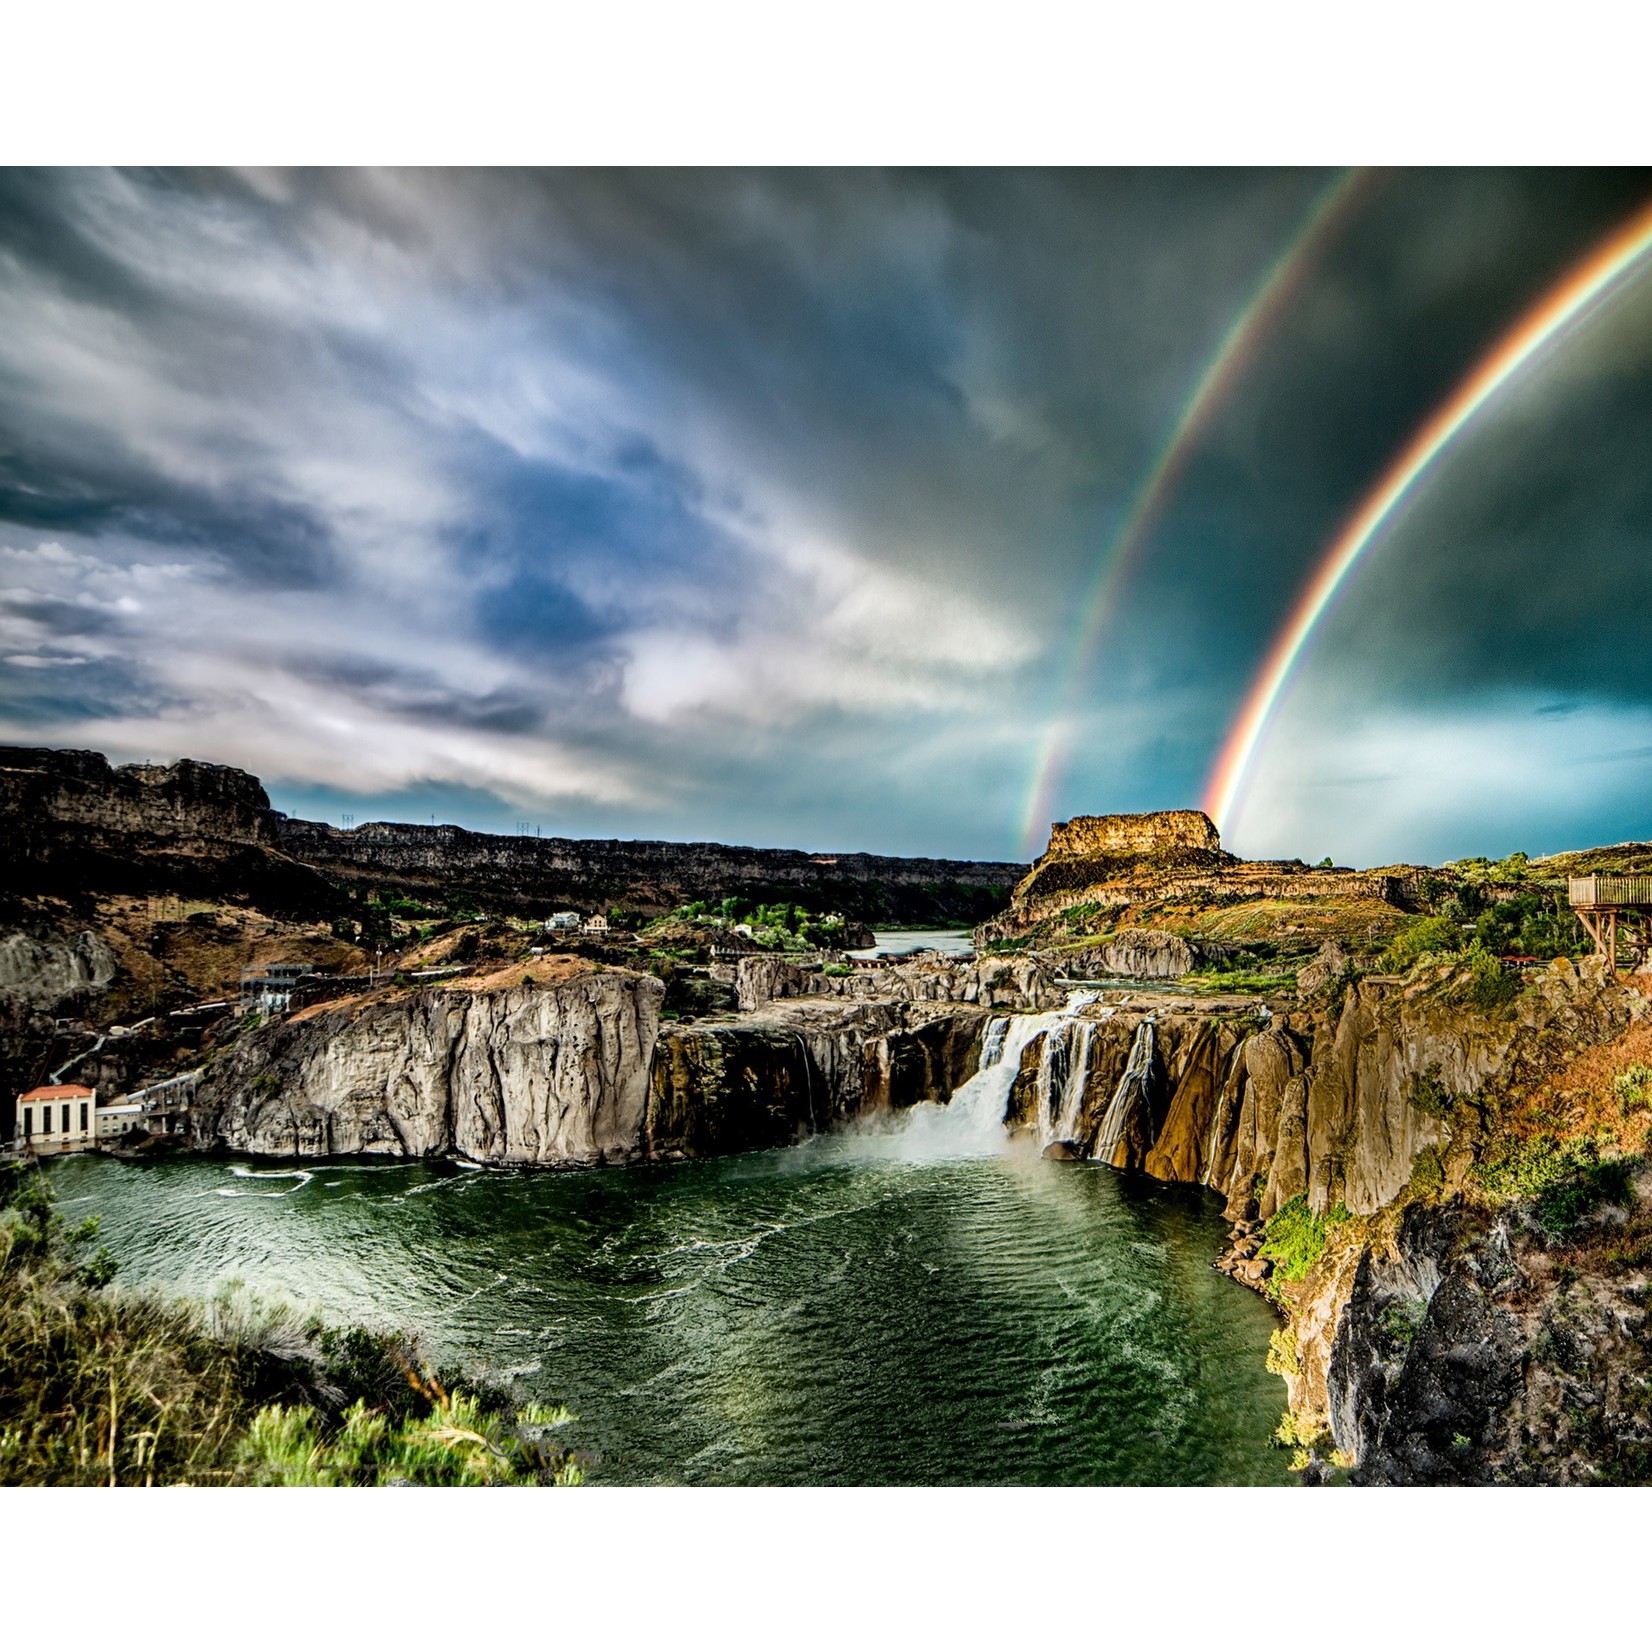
(870, 1308)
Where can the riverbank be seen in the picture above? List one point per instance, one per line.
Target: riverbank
(106, 1386)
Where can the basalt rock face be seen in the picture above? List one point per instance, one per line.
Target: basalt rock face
(530, 1075)
(578, 1072)
(1012, 983)
(797, 1068)
(1139, 834)
(530, 874)
(1266, 1108)
(1447, 1341)
(1138, 954)
(73, 823)
(42, 970)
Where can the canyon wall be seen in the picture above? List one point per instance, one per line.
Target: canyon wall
(575, 1071)
(73, 823)
(537, 873)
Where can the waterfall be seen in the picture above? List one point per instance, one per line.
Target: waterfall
(1131, 1088)
(971, 1124)
(1075, 1039)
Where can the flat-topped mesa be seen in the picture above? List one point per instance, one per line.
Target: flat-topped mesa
(1101, 848)
(1101, 866)
(1142, 834)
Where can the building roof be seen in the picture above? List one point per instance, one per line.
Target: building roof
(58, 1092)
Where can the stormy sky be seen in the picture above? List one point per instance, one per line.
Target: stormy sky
(760, 506)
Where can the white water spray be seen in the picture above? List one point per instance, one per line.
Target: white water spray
(971, 1124)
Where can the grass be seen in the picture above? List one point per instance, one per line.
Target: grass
(1238, 980)
(102, 1386)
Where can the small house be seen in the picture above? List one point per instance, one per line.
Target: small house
(57, 1118)
(596, 924)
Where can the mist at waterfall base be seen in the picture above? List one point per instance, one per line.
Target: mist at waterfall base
(921, 1303)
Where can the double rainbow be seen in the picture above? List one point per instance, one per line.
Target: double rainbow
(1543, 326)
(1117, 560)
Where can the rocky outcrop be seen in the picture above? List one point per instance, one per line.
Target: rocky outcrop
(1137, 955)
(1107, 864)
(1138, 834)
(40, 970)
(1328, 963)
(535, 1074)
(1009, 983)
(762, 976)
(74, 824)
(573, 1071)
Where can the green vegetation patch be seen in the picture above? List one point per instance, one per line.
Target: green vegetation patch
(1239, 980)
(1296, 1238)
(100, 1386)
(1565, 1181)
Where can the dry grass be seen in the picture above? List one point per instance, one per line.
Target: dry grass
(552, 970)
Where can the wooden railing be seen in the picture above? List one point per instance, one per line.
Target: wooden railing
(1609, 891)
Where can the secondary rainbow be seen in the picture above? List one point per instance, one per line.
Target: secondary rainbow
(1544, 325)
(1116, 562)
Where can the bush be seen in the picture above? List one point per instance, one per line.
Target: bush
(99, 1387)
(1426, 935)
(1633, 1089)
(1490, 985)
(458, 1444)
(1296, 1238)
(1564, 1181)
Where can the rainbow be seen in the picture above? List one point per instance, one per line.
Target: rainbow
(1116, 562)
(1545, 324)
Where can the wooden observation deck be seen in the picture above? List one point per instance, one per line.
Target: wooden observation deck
(1598, 901)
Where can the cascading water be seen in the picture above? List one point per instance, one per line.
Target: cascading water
(1062, 1075)
(971, 1124)
(1130, 1092)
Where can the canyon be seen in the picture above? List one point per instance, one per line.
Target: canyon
(1432, 1163)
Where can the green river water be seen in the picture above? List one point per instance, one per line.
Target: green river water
(850, 1311)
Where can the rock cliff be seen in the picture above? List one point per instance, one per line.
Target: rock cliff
(571, 1067)
(550, 1071)
(532, 874)
(74, 823)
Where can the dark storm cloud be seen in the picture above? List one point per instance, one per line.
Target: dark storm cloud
(755, 504)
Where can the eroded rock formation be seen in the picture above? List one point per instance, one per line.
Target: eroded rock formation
(576, 1070)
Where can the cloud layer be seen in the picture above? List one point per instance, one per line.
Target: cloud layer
(756, 506)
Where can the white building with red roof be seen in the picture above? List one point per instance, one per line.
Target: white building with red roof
(57, 1118)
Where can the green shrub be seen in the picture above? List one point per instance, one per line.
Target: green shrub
(1296, 1238)
(1490, 984)
(101, 1387)
(1633, 1089)
(1426, 935)
(1563, 1180)
(1427, 1173)
(457, 1444)
(1402, 1318)
(1428, 1095)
